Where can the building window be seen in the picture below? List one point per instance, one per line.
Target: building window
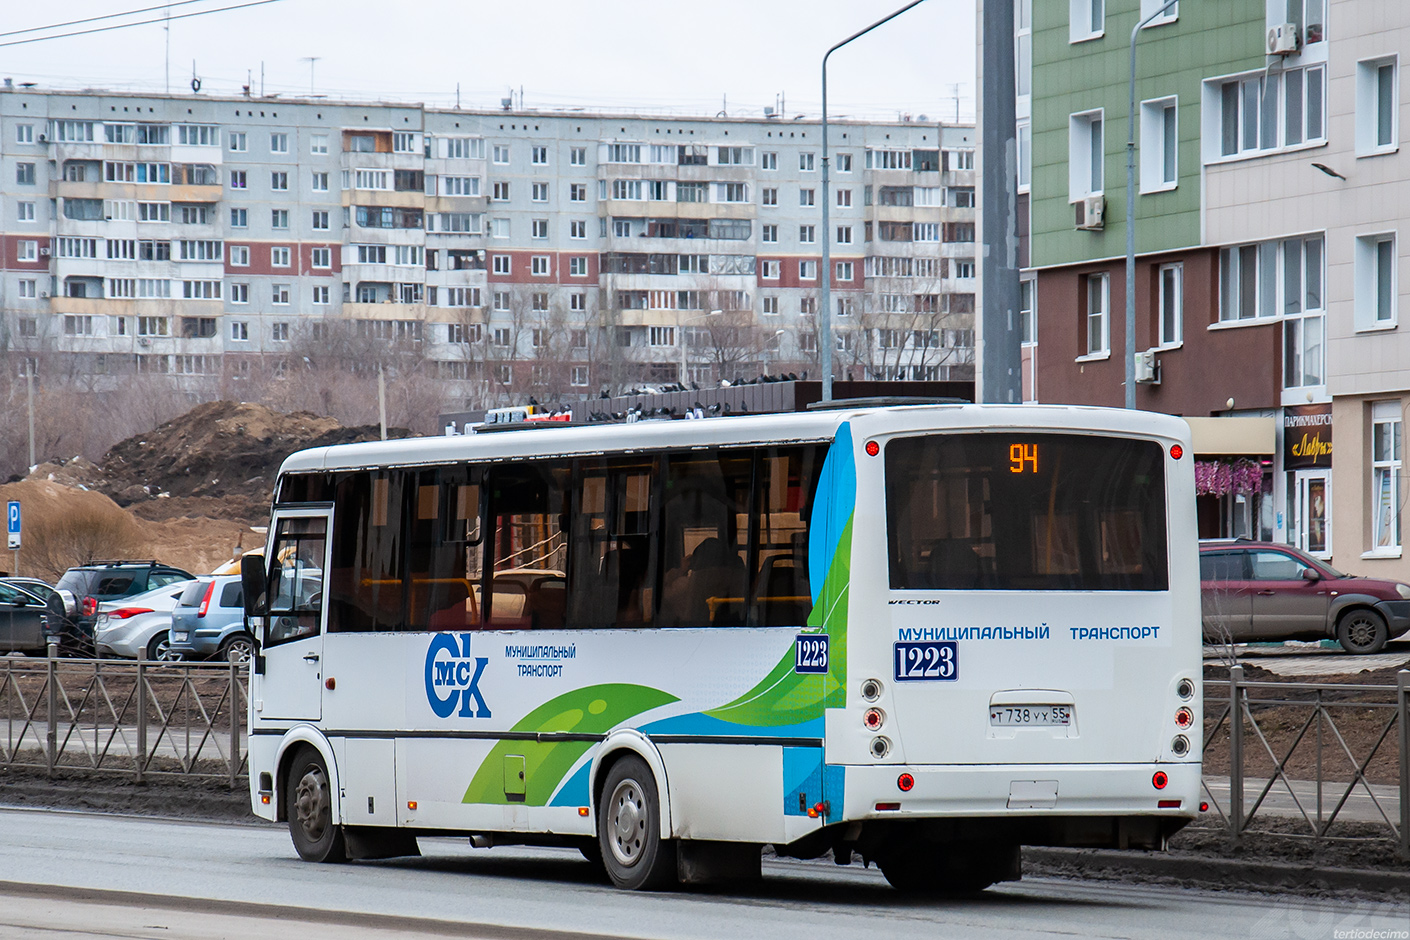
(1027, 322)
(807, 197)
(1149, 7)
(239, 331)
(320, 295)
(964, 269)
(1303, 312)
(577, 266)
(238, 142)
(239, 293)
(577, 192)
(1377, 100)
(579, 376)
(319, 182)
(499, 191)
(807, 234)
(768, 196)
(577, 156)
(577, 228)
(24, 212)
(24, 133)
(279, 218)
(500, 264)
(1386, 461)
(279, 294)
(1375, 286)
(1086, 153)
(1086, 19)
(844, 270)
(24, 174)
(279, 181)
(807, 270)
(539, 192)
(403, 142)
(844, 199)
(768, 160)
(1159, 145)
(539, 265)
(805, 161)
(279, 332)
(769, 270)
(239, 256)
(1171, 304)
(1098, 327)
(279, 257)
(538, 156)
(538, 228)
(320, 220)
(501, 154)
(321, 257)
(1265, 111)
(238, 180)
(768, 233)
(278, 143)
(239, 218)
(318, 143)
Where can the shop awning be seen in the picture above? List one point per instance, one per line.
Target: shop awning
(1233, 436)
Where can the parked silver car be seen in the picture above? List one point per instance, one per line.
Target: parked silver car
(141, 622)
(209, 621)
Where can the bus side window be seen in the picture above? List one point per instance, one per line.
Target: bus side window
(365, 582)
(705, 539)
(788, 480)
(445, 550)
(296, 579)
(612, 569)
(527, 506)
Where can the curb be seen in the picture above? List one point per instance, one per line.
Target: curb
(1212, 872)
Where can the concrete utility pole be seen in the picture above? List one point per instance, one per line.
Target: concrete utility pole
(1001, 367)
(825, 314)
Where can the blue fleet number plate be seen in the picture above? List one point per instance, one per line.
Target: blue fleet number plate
(920, 662)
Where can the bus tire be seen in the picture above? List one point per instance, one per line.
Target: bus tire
(309, 796)
(629, 829)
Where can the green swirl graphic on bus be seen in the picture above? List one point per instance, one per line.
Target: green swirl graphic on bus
(453, 678)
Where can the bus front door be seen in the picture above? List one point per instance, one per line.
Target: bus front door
(292, 683)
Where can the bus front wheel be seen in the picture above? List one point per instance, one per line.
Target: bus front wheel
(629, 829)
(310, 809)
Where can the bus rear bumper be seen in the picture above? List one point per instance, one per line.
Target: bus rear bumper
(1022, 790)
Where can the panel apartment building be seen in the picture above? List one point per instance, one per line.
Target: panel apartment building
(511, 252)
(1271, 185)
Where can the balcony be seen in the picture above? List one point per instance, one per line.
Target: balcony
(386, 311)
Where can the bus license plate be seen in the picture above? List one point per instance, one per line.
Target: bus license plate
(1030, 716)
(935, 662)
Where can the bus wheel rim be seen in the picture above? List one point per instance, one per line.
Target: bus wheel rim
(628, 823)
(311, 804)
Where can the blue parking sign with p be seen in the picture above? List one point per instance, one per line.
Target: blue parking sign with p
(12, 524)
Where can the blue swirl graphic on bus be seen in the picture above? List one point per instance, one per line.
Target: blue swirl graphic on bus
(453, 678)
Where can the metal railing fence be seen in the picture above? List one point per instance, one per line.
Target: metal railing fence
(150, 719)
(1326, 746)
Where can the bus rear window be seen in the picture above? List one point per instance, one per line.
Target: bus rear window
(1026, 512)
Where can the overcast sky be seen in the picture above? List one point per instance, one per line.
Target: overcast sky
(657, 56)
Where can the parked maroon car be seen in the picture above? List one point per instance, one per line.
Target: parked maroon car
(1259, 592)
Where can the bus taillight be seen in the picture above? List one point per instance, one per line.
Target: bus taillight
(1176, 451)
(905, 782)
(873, 448)
(1160, 780)
(1184, 718)
(874, 718)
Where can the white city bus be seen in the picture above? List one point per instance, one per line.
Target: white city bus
(924, 635)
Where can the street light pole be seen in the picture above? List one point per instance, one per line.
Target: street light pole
(825, 314)
(1131, 210)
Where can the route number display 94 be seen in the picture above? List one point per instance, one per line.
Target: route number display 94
(920, 662)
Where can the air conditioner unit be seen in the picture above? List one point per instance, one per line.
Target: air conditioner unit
(44, 252)
(1282, 39)
(1090, 213)
(44, 295)
(1147, 370)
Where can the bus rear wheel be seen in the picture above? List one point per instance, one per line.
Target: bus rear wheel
(629, 829)
(309, 796)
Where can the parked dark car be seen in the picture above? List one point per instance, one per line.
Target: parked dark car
(1265, 591)
(101, 581)
(22, 618)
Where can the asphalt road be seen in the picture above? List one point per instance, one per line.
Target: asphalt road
(82, 876)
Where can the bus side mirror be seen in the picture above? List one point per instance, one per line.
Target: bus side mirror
(252, 584)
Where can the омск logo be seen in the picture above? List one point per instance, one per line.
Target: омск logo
(453, 677)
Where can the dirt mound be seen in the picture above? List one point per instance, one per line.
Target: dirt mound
(218, 460)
